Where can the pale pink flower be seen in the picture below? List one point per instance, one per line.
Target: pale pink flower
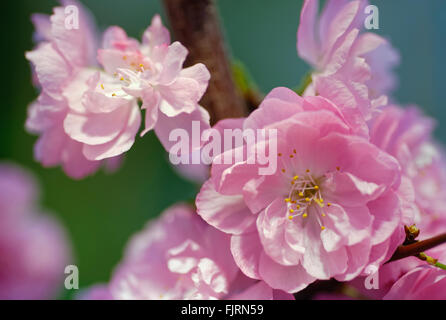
(33, 247)
(100, 116)
(18, 192)
(422, 283)
(332, 208)
(351, 68)
(153, 71)
(406, 134)
(179, 256)
(77, 126)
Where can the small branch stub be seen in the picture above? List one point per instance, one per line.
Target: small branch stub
(415, 248)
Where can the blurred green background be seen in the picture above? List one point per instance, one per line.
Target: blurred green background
(102, 211)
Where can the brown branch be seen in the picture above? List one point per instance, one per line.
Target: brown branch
(414, 249)
(195, 24)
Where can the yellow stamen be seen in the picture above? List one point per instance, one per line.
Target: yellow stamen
(322, 228)
(102, 86)
(290, 217)
(113, 94)
(307, 199)
(291, 210)
(319, 203)
(296, 177)
(287, 199)
(301, 194)
(304, 215)
(316, 187)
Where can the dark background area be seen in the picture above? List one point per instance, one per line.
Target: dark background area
(102, 211)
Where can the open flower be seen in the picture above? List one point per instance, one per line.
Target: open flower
(406, 134)
(85, 115)
(33, 248)
(331, 208)
(76, 128)
(100, 115)
(153, 71)
(351, 68)
(179, 256)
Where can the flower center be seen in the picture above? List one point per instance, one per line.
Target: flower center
(305, 194)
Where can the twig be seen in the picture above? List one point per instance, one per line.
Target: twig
(196, 25)
(414, 249)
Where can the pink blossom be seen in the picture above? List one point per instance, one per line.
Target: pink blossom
(85, 115)
(179, 256)
(76, 129)
(422, 283)
(18, 192)
(33, 247)
(152, 71)
(351, 68)
(406, 134)
(332, 208)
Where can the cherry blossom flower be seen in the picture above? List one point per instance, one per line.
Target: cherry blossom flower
(421, 283)
(86, 116)
(352, 69)
(77, 127)
(406, 134)
(179, 256)
(332, 208)
(33, 247)
(152, 71)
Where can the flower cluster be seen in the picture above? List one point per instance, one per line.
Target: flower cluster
(87, 112)
(353, 167)
(179, 256)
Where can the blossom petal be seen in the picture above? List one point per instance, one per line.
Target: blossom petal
(227, 213)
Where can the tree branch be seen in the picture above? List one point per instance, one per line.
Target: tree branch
(196, 25)
(414, 249)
